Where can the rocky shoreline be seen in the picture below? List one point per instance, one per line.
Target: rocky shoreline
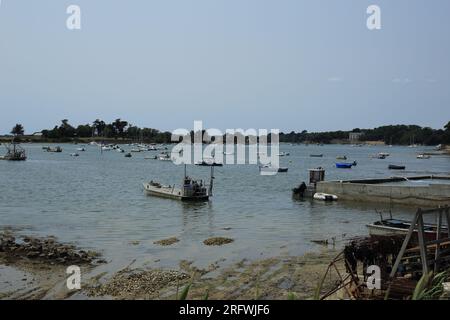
(46, 250)
(35, 268)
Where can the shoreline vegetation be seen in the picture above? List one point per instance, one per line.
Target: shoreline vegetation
(120, 131)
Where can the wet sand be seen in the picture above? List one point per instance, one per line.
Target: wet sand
(281, 277)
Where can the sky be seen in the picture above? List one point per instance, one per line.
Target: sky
(274, 64)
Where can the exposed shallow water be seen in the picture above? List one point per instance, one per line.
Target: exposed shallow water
(97, 201)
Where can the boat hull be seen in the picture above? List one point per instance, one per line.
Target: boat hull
(395, 167)
(344, 165)
(325, 196)
(171, 193)
(383, 230)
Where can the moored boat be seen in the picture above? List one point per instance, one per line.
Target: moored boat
(191, 190)
(325, 196)
(271, 169)
(164, 157)
(55, 149)
(388, 227)
(316, 155)
(344, 165)
(283, 154)
(205, 163)
(396, 167)
(14, 153)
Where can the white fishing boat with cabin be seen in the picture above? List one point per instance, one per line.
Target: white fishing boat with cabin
(191, 190)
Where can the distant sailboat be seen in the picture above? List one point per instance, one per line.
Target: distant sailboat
(412, 144)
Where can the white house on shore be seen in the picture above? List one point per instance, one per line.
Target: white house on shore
(354, 137)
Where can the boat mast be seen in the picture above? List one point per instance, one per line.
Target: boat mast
(211, 181)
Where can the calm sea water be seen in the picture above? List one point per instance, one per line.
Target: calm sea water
(97, 202)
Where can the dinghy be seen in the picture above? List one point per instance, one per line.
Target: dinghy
(269, 168)
(396, 167)
(325, 196)
(344, 165)
(283, 154)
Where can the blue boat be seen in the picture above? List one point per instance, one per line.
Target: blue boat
(344, 165)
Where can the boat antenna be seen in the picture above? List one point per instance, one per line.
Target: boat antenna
(380, 213)
(185, 170)
(211, 181)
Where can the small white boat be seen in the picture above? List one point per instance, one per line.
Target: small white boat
(164, 157)
(423, 156)
(271, 169)
(81, 149)
(74, 155)
(283, 154)
(325, 196)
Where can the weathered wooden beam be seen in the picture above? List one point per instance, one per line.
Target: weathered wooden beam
(405, 244)
(422, 244)
(438, 243)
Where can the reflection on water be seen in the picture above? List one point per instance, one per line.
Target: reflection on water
(97, 201)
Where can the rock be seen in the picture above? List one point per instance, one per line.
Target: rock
(217, 241)
(167, 242)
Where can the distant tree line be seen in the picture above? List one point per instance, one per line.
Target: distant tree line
(120, 129)
(393, 134)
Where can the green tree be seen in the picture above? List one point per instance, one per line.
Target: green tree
(18, 130)
(65, 129)
(119, 126)
(84, 131)
(99, 126)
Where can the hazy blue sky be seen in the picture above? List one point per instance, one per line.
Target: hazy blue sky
(287, 64)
